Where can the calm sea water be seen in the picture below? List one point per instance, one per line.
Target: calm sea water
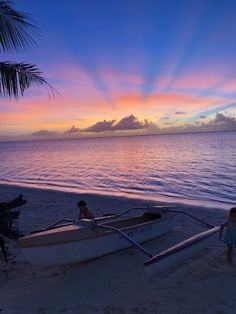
(183, 166)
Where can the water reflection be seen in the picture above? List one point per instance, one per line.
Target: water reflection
(187, 165)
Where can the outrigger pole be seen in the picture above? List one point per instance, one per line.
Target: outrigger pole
(131, 240)
(109, 216)
(187, 214)
(55, 224)
(177, 253)
(164, 208)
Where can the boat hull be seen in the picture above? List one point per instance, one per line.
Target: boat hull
(94, 247)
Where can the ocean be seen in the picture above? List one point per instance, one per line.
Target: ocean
(197, 167)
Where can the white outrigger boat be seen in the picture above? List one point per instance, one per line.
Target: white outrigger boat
(68, 241)
(82, 240)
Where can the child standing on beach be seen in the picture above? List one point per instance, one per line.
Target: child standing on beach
(230, 233)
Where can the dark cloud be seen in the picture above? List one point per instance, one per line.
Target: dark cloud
(101, 126)
(131, 123)
(220, 122)
(126, 124)
(220, 118)
(44, 133)
(72, 130)
(180, 112)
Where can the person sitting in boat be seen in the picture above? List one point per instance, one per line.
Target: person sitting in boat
(84, 213)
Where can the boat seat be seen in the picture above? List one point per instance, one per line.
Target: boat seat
(151, 216)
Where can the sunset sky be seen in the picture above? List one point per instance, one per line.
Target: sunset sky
(127, 67)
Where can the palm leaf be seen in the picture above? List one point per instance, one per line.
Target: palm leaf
(15, 78)
(16, 30)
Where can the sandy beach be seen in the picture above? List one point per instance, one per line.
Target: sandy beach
(116, 283)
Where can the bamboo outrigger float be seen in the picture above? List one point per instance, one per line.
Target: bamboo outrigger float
(180, 251)
(68, 241)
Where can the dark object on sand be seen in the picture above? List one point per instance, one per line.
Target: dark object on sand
(7, 219)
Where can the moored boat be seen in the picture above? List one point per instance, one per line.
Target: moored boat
(88, 239)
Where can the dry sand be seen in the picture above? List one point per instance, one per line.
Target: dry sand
(116, 283)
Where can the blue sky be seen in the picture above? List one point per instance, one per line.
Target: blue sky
(113, 59)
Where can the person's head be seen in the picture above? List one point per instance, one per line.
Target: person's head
(82, 204)
(232, 213)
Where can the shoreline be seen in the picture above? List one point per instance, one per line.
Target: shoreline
(160, 199)
(116, 283)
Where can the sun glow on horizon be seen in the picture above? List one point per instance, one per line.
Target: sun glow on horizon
(175, 70)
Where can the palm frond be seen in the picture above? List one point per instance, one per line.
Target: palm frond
(17, 31)
(15, 78)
